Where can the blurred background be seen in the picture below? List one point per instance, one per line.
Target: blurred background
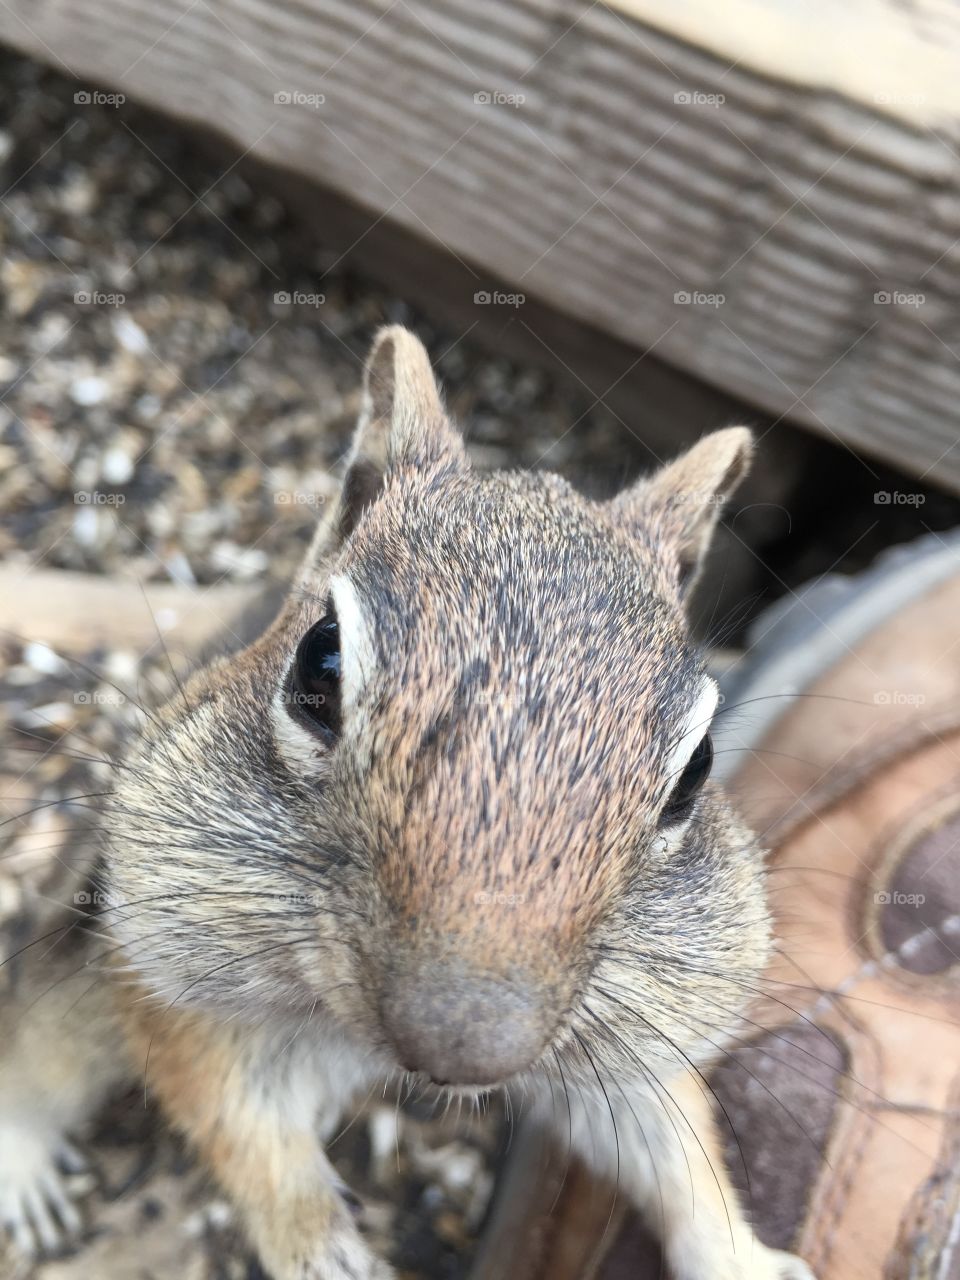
(616, 226)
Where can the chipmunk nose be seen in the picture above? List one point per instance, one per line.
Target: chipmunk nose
(461, 1029)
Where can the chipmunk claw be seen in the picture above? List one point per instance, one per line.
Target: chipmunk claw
(37, 1207)
(343, 1253)
(754, 1263)
(339, 1267)
(354, 1262)
(790, 1266)
(777, 1264)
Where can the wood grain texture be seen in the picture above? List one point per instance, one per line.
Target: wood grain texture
(80, 612)
(794, 173)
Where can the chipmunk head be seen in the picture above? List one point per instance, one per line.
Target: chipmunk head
(457, 795)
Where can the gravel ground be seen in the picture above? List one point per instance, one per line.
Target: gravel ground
(163, 408)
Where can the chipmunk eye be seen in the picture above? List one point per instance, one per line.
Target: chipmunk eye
(314, 693)
(681, 798)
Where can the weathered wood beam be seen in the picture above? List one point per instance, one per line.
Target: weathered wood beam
(766, 197)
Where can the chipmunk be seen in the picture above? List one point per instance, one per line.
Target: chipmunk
(449, 819)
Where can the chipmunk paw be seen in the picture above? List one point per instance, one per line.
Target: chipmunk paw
(340, 1254)
(756, 1262)
(773, 1264)
(348, 1261)
(788, 1266)
(36, 1203)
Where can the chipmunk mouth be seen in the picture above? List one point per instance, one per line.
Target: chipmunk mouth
(439, 1091)
(435, 1092)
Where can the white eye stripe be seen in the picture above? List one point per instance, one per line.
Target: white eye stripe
(296, 744)
(696, 725)
(357, 658)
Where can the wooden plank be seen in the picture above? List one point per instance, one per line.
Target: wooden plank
(770, 212)
(75, 613)
(901, 59)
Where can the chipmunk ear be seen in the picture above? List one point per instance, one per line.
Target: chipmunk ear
(684, 499)
(402, 420)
